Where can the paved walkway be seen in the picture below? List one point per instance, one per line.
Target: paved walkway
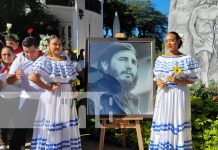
(92, 144)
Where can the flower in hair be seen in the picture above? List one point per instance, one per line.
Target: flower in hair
(43, 42)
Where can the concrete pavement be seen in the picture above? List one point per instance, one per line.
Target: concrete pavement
(89, 143)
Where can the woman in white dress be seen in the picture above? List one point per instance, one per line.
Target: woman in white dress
(56, 123)
(171, 126)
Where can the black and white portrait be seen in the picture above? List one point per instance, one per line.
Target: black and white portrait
(120, 78)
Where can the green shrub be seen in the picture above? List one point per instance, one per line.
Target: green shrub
(204, 103)
(211, 136)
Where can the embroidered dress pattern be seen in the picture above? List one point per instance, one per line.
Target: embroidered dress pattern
(56, 123)
(171, 126)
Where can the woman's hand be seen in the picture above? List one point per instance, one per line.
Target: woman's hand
(180, 81)
(72, 82)
(35, 78)
(55, 87)
(161, 83)
(172, 79)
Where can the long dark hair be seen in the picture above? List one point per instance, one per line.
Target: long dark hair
(178, 38)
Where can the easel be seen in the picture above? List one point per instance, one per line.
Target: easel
(121, 123)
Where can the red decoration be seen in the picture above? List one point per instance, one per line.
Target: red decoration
(30, 30)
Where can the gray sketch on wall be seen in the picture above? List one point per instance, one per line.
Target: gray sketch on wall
(196, 21)
(180, 12)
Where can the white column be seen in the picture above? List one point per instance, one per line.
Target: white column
(102, 15)
(81, 23)
(75, 26)
(66, 36)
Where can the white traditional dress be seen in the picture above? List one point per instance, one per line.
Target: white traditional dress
(171, 126)
(56, 123)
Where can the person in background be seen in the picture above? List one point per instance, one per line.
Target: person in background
(11, 40)
(9, 95)
(171, 125)
(79, 83)
(21, 68)
(81, 61)
(69, 53)
(4, 141)
(2, 44)
(56, 123)
(81, 58)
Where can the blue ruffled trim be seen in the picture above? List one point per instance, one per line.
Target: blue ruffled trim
(45, 66)
(49, 66)
(48, 69)
(55, 126)
(168, 146)
(160, 70)
(57, 73)
(186, 63)
(170, 127)
(41, 143)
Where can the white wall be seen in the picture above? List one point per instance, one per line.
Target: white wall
(93, 23)
(79, 27)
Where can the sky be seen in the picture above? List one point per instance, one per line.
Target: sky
(162, 5)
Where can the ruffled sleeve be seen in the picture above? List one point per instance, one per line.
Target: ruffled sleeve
(190, 68)
(158, 69)
(39, 66)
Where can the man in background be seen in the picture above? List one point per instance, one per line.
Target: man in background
(20, 70)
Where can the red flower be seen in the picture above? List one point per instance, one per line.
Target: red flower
(29, 30)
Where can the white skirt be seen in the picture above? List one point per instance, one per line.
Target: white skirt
(56, 123)
(171, 126)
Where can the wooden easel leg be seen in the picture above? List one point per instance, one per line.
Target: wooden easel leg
(102, 135)
(139, 135)
(123, 137)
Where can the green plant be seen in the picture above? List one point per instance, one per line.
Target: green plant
(211, 136)
(200, 90)
(204, 103)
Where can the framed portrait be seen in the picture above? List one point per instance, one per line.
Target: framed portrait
(120, 77)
